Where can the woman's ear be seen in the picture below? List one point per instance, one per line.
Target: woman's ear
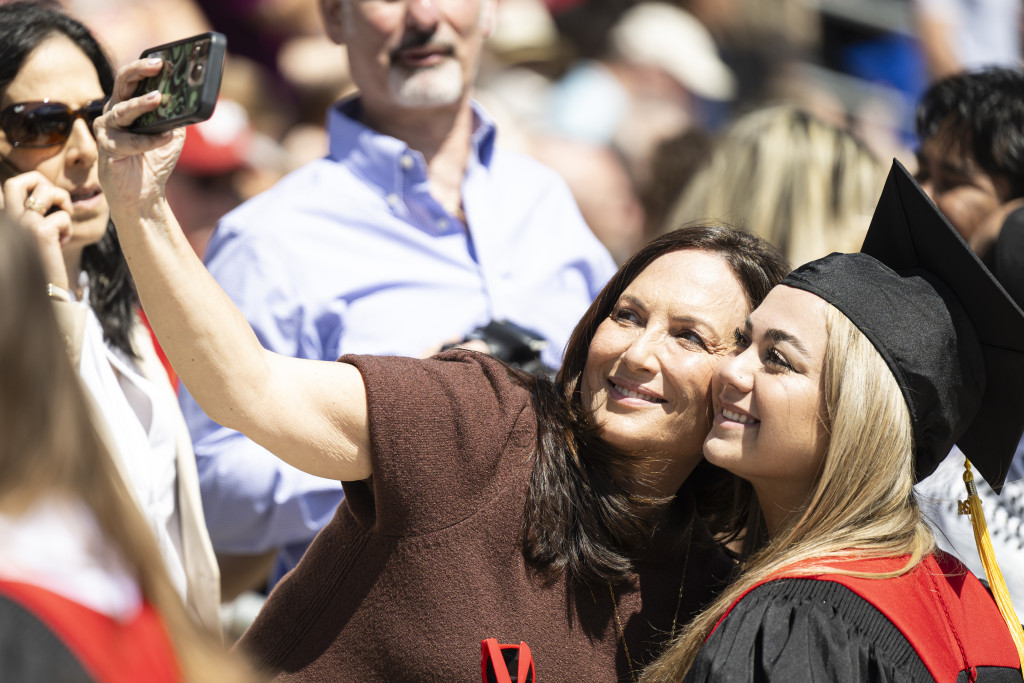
(334, 13)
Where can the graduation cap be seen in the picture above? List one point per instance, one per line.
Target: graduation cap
(951, 335)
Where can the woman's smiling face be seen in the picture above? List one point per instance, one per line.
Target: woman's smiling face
(769, 425)
(648, 372)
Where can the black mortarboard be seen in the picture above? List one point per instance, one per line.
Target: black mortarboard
(952, 336)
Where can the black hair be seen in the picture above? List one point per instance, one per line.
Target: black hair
(23, 26)
(983, 112)
(580, 516)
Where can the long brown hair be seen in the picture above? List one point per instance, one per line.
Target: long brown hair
(50, 445)
(580, 516)
(862, 503)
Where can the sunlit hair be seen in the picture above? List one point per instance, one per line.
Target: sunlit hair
(862, 504)
(806, 186)
(50, 447)
(580, 516)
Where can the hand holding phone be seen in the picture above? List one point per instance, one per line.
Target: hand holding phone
(189, 81)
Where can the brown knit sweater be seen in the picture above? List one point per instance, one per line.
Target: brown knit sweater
(423, 561)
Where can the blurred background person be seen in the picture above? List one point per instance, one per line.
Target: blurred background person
(806, 186)
(965, 35)
(84, 593)
(660, 73)
(970, 158)
(54, 80)
(971, 164)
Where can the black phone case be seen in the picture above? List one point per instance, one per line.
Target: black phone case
(184, 101)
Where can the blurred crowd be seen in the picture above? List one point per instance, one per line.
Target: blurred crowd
(624, 99)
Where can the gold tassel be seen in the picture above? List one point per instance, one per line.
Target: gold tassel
(972, 507)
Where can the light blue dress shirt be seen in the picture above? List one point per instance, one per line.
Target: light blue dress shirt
(351, 254)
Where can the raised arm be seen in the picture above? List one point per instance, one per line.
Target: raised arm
(311, 414)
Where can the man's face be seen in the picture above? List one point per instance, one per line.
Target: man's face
(965, 193)
(410, 54)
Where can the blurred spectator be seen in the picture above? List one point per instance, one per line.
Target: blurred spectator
(971, 163)
(965, 35)
(675, 162)
(51, 188)
(414, 230)
(971, 154)
(125, 29)
(806, 186)
(760, 39)
(84, 594)
(661, 73)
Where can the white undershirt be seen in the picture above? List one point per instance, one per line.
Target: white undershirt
(58, 545)
(143, 429)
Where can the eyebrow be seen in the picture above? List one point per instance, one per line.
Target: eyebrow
(690, 319)
(777, 336)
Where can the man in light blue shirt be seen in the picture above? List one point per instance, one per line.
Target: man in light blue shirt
(413, 231)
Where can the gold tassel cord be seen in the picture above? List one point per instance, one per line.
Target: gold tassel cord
(972, 507)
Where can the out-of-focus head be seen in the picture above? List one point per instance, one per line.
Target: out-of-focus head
(640, 360)
(806, 186)
(410, 54)
(52, 68)
(971, 156)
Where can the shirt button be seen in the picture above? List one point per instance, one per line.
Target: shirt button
(407, 161)
(392, 200)
(442, 223)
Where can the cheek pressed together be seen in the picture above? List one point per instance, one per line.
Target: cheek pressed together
(769, 426)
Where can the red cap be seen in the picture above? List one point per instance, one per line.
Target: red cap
(220, 144)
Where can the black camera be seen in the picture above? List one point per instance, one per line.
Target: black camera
(513, 344)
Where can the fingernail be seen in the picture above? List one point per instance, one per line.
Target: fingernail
(154, 95)
(153, 61)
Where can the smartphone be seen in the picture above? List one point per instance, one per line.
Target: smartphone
(189, 82)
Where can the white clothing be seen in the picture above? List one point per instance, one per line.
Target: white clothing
(58, 545)
(1004, 513)
(143, 431)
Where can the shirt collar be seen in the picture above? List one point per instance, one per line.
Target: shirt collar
(378, 158)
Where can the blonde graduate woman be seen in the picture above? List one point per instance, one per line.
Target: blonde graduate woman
(480, 502)
(849, 383)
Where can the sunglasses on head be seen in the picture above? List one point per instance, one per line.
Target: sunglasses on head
(46, 123)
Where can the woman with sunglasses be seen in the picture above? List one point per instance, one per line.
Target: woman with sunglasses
(54, 82)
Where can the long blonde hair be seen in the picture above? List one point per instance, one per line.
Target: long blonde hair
(50, 446)
(804, 185)
(862, 504)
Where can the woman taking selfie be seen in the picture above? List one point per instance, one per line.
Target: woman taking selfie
(851, 381)
(54, 81)
(480, 502)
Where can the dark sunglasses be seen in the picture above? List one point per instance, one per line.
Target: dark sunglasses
(46, 123)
